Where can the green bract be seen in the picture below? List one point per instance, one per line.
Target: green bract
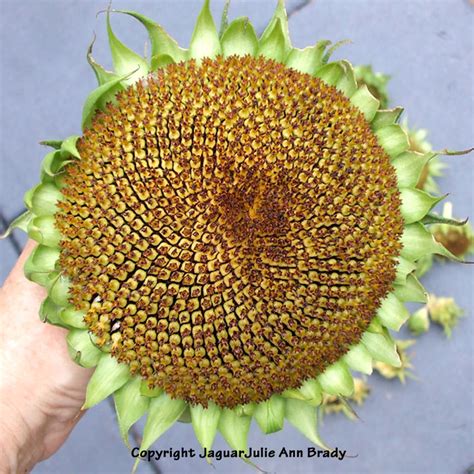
(133, 399)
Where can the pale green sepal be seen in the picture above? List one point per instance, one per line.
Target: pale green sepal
(281, 16)
(161, 60)
(416, 204)
(146, 391)
(224, 19)
(376, 326)
(185, 416)
(418, 242)
(51, 164)
(40, 264)
(381, 348)
(43, 230)
(334, 47)
(347, 84)
(234, 429)
(435, 219)
(412, 291)
(73, 317)
(274, 46)
(393, 139)
(365, 102)
(21, 222)
(161, 42)
(205, 422)
(392, 312)
(404, 268)
(310, 391)
(81, 349)
(239, 38)
(56, 144)
(307, 60)
(102, 75)
(337, 379)
(163, 412)
(359, 358)
(330, 73)
(130, 406)
(108, 377)
(44, 199)
(270, 414)
(49, 313)
(126, 62)
(409, 166)
(98, 98)
(304, 418)
(245, 410)
(383, 118)
(28, 197)
(59, 290)
(205, 40)
(68, 146)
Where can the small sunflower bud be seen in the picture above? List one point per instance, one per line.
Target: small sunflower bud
(445, 312)
(403, 371)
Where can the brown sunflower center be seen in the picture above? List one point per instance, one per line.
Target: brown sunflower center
(230, 228)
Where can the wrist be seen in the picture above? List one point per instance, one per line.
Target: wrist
(18, 451)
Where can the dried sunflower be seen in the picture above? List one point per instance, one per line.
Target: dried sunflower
(235, 230)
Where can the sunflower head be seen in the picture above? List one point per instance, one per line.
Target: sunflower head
(235, 229)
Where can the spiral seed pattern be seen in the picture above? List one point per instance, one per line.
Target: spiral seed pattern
(230, 228)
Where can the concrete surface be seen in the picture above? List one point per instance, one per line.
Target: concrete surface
(427, 46)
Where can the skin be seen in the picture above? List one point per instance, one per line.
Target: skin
(41, 389)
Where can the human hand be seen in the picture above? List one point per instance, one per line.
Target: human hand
(41, 389)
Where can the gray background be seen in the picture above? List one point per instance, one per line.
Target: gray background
(427, 46)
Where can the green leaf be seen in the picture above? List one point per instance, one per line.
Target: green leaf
(409, 166)
(392, 312)
(205, 422)
(234, 429)
(274, 46)
(337, 380)
(68, 146)
(108, 377)
(43, 230)
(347, 84)
(161, 42)
(418, 242)
(205, 40)
(365, 102)
(20, 222)
(130, 406)
(81, 349)
(239, 38)
(435, 219)
(304, 418)
(307, 60)
(330, 73)
(73, 317)
(224, 19)
(49, 312)
(404, 268)
(270, 414)
(102, 75)
(359, 358)
(40, 264)
(393, 139)
(59, 290)
(162, 414)
(127, 63)
(44, 199)
(160, 61)
(412, 291)
(383, 118)
(416, 204)
(381, 348)
(98, 98)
